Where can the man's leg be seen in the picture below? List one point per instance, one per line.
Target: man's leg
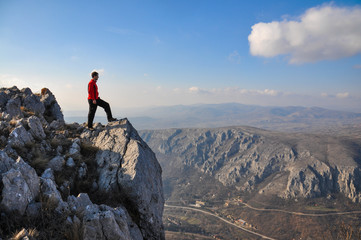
(91, 114)
(106, 107)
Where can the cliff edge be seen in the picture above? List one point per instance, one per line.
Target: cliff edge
(63, 181)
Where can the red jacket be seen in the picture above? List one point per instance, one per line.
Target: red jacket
(93, 90)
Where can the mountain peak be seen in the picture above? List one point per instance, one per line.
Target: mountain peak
(65, 181)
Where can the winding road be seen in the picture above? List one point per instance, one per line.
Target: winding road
(220, 218)
(262, 209)
(300, 213)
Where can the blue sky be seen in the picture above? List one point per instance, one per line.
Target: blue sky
(153, 53)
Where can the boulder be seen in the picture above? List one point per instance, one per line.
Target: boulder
(127, 166)
(100, 222)
(13, 108)
(70, 162)
(29, 175)
(19, 137)
(16, 194)
(78, 204)
(33, 103)
(52, 108)
(36, 128)
(3, 99)
(6, 162)
(56, 163)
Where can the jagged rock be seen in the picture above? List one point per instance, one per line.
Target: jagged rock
(56, 163)
(100, 223)
(19, 137)
(32, 102)
(82, 171)
(74, 150)
(78, 204)
(33, 210)
(29, 175)
(13, 108)
(70, 162)
(52, 107)
(50, 192)
(127, 166)
(3, 99)
(36, 129)
(16, 194)
(6, 162)
(56, 124)
(48, 174)
(118, 143)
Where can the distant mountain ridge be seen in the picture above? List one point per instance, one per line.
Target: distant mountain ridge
(288, 165)
(292, 118)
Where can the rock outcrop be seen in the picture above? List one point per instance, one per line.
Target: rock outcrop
(68, 182)
(283, 164)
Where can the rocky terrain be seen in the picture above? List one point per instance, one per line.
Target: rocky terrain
(287, 165)
(63, 181)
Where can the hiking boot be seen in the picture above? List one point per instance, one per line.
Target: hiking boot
(112, 120)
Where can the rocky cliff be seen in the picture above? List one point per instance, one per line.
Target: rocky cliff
(63, 181)
(270, 163)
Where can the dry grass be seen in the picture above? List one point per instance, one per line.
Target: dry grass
(32, 234)
(26, 112)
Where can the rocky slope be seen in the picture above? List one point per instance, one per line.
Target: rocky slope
(62, 181)
(270, 163)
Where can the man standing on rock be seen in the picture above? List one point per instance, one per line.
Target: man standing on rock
(95, 101)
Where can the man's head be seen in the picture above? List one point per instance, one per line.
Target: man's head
(95, 75)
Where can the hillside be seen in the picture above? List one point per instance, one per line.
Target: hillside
(292, 172)
(63, 181)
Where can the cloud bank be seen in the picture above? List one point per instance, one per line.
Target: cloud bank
(322, 33)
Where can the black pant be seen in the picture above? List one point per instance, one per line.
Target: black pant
(93, 109)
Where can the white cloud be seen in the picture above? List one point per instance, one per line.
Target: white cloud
(342, 95)
(321, 33)
(193, 89)
(234, 57)
(100, 71)
(357, 66)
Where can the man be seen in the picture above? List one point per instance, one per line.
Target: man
(95, 101)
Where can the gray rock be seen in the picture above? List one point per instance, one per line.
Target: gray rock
(29, 175)
(70, 162)
(52, 107)
(19, 137)
(16, 194)
(99, 223)
(33, 210)
(56, 163)
(126, 165)
(50, 192)
(74, 150)
(48, 174)
(82, 171)
(6, 163)
(36, 129)
(78, 204)
(33, 103)
(13, 108)
(4, 98)
(56, 124)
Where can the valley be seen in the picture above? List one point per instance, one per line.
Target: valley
(275, 184)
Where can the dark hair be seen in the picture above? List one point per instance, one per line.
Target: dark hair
(94, 74)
